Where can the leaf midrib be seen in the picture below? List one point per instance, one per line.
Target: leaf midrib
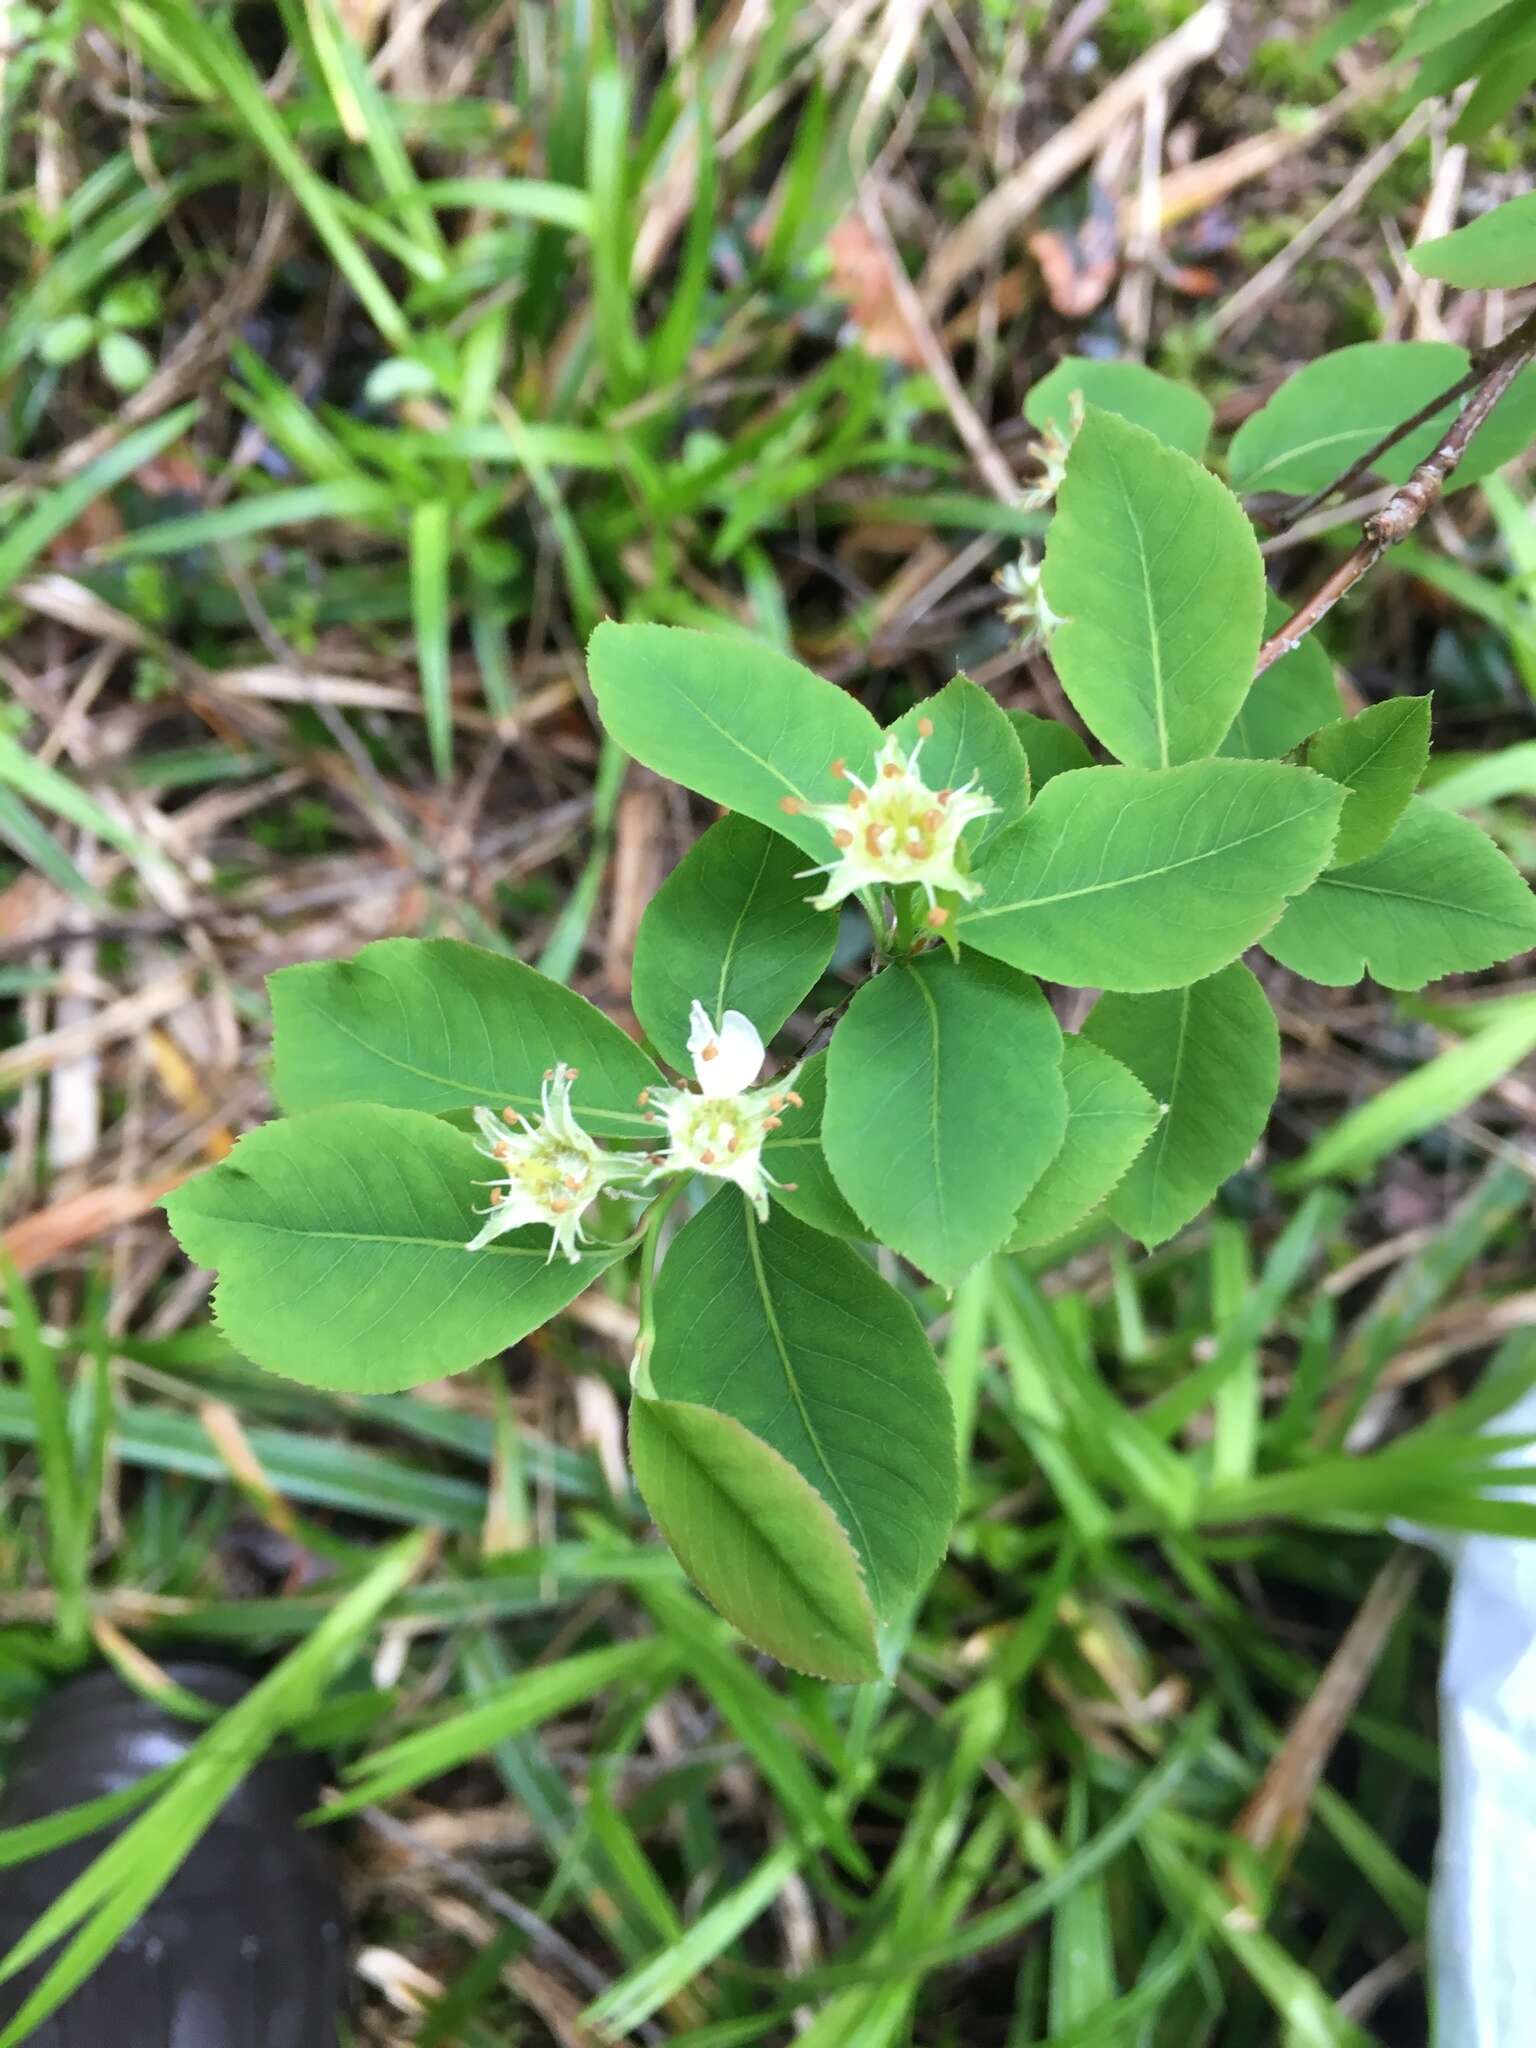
(1218, 852)
(791, 1381)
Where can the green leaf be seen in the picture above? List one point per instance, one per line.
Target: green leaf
(1293, 697)
(1496, 250)
(125, 362)
(1211, 1053)
(798, 1339)
(740, 723)
(972, 736)
(437, 1025)
(1176, 413)
(1334, 409)
(339, 1237)
(431, 560)
(754, 1538)
(66, 340)
(1438, 898)
(1378, 757)
(1129, 878)
(1109, 1118)
(1050, 747)
(1156, 572)
(731, 928)
(794, 1154)
(945, 1105)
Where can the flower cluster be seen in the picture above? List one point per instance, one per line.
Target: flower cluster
(550, 1171)
(722, 1129)
(1051, 452)
(894, 829)
(1022, 586)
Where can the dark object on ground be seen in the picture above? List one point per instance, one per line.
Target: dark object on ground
(244, 1948)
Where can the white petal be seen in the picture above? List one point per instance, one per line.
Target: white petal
(728, 1060)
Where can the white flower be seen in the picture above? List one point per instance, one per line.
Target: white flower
(895, 829)
(1051, 452)
(721, 1131)
(552, 1171)
(1021, 585)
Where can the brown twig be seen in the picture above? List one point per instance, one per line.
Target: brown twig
(1518, 345)
(1407, 506)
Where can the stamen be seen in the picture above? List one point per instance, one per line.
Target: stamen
(797, 1100)
(791, 805)
(710, 1052)
(932, 820)
(706, 1158)
(925, 728)
(510, 1116)
(498, 1196)
(872, 840)
(575, 1182)
(840, 769)
(855, 798)
(643, 1097)
(945, 795)
(892, 771)
(771, 1123)
(938, 917)
(558, 1206)
(842, 836)
(650, 1117)
(776, 1102)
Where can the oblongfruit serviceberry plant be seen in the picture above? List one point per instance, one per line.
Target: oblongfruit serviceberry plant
(467, 1145)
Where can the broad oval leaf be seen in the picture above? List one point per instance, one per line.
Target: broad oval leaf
(945, 1105)
(795, 1156)
(1155, 571)
(1050, 747)
(1378, 757)
(1109, 1118)
(1129, 878)
(972, 736)
(1498, 250)
(800, 1340)
(1438, 898)
(754, 1538)
(1211, 1054)
(436, 1025)
(1334, 409)
(1293, 697)
(1176, 413)
(740, 723)
(338, 1238)
(731, 928)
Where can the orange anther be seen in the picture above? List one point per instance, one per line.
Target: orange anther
(706, 1158)
(771, 1123)
(945, 795)
(710, 1052)
(925, 728)
(643, 1097)
(932, 820)
(938, 917)
(797, 1100)
(891, 770)
(574, 1182)
(839, 769)
(498, 1196)
(790, 805)
(842, 837)
(855, 798)
(558, 1206)
(510, 1116)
